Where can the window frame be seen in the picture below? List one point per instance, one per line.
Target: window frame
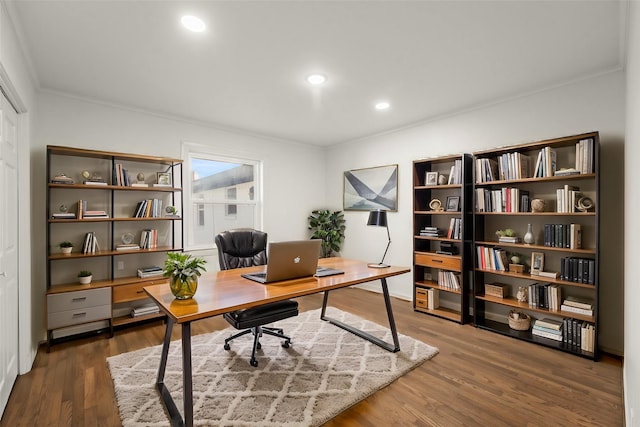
(199, 151)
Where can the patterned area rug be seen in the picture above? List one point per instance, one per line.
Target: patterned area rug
(325, 371)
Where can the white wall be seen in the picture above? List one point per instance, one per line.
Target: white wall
(293, 173)
(631, 225)
(594, 104)
(16, 82)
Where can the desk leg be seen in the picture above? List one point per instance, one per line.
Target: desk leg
(174, 413)
(395, 347)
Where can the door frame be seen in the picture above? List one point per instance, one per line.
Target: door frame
(27, 338)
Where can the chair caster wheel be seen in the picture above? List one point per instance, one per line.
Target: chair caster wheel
(253, 362)
(227, 347)
(259, 346)
(286, 344)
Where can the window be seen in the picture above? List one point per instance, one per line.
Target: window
(220, 194)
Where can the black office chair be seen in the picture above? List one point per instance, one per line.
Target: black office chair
(244, 248)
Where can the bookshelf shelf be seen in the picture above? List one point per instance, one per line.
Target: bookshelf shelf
(536, 163)
(441, 260)
(115, 287)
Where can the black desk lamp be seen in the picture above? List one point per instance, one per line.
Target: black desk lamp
(379, 219)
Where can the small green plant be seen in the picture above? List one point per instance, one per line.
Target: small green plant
(329, 227)
(507, 232)
(66, 244)
(183, 266)
(85, 273)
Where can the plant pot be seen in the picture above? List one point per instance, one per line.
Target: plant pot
(85, 280)
(66, 250)
(183, 289)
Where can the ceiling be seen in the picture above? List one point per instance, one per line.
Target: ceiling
(247, 70)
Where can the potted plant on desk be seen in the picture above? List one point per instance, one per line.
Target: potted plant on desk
(183, 271)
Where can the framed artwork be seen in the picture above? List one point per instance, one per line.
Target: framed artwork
(537, 262)
(431, 178)
(164, 178)
(371, 188)
(453, 203)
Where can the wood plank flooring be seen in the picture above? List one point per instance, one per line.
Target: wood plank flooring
(478, 379)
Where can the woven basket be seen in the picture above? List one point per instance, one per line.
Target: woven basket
(522, 323)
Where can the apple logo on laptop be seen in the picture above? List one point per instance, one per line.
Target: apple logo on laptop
(296, 260)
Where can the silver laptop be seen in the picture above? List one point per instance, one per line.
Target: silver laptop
(289, 260)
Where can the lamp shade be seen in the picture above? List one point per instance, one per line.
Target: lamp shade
(378, 218)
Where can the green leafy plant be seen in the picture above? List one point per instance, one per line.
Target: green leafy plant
(329, 227)
(183, 266)
(66, 245)
(507, 232)
(85, 273)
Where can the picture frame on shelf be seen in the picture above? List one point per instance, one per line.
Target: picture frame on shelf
(163, 178)
(453, 204)
(431, 178)
(537, 262)
(371, 189)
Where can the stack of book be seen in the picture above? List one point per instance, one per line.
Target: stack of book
(151, 271)
(548, 328)
(144, 310)
(127, 247)
(94, 214)
(577, 305)
(63, 215)
(431, 232)
(94, 181)
(508, 239)
(62, 179)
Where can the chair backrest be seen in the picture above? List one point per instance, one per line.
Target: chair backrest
(243, 247)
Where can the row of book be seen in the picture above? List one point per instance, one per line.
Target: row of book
(584, 155)
(151, 208)
(90, 244)
(546, 163)
(455, 229)
(120, 175)
(574, 333)
(507, 199)
(563, 235)
(513, 166)
(84, 213)
(579, 270)
(149, 239)
(449, 280)
(433, 298)
(544, 295)
(455, 174)
(489, 258)
(567, 198)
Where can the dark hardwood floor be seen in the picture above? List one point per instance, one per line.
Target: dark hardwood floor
(478, 379)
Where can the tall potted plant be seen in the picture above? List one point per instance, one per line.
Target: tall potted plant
(183, 271)
(329, 227)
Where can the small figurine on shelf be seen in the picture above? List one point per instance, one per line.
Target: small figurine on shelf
(521, 296)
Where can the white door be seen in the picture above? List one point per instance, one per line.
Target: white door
(8, 250)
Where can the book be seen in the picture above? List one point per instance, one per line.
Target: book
(139, 184)
(89, 182)
(127, 247)
(576, 310)
(583, 303)
(63, 215)
(549, 323)
(548, 335)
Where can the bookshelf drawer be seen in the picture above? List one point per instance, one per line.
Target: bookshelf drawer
(80, 315)
(421, 298)
(133, 291)
(78, 299)
(438, 261)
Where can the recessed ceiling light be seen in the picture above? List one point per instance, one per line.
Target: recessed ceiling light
(193, 23)
(316, 79)
(382, 105)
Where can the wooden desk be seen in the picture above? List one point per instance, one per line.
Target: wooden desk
(226, 291)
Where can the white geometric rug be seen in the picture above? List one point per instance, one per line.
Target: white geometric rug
(325, 371)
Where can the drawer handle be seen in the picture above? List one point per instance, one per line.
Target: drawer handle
(79, 299)
(436, 260)
(84, 313)
(140, 292)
